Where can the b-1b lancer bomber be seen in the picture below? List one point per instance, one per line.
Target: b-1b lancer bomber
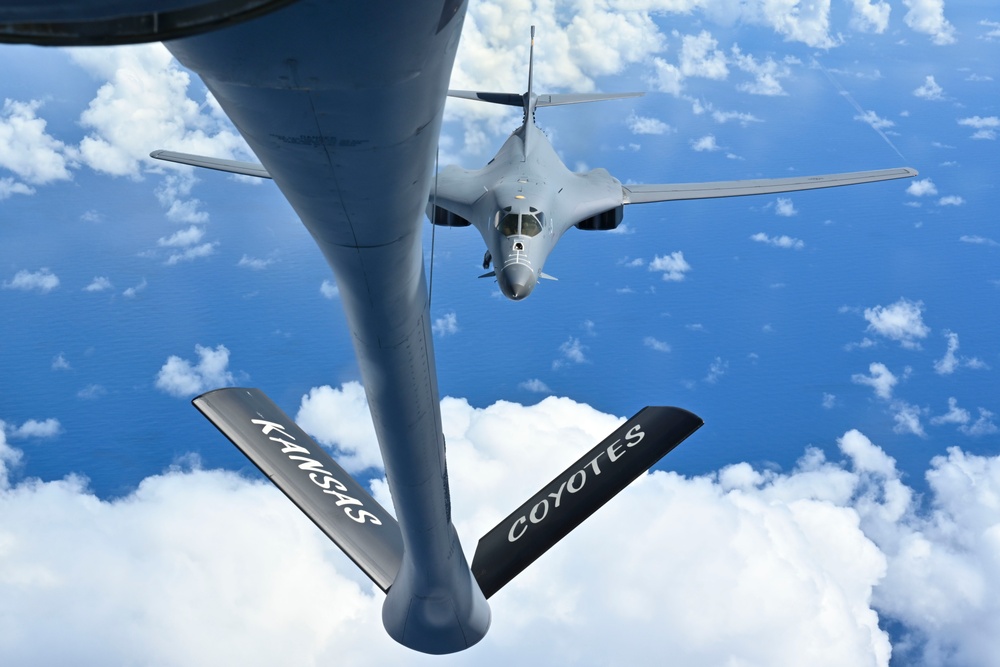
(525, 199)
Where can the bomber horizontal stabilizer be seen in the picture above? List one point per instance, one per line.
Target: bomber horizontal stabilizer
(304, 472)
(566, 501)
(646, 194)
(232, 166)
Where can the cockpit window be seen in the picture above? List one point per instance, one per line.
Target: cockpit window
(530, 225)
(514, 224)
(508, 224)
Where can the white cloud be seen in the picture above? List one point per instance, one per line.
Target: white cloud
(901, 321)
(572, 351)
(706, 143)
(91, 392)
(947, 364)
(922, 188)
(701, 58)
(646, 125)
(98, 284)
(535, 386)
(8, 187)
(27, 150)
(182, 238)
(782, 241)
(873, 119)
(353, 440)
(955, 414)
(445, 325)
(784, 207)
(979, 240)
(59, 363)
(143, 104)
(654, 344)
(673, 266)
(180, 378)
(192, 253)
(951, 200)
(869, 16)
(767, 74)
(255, 263)
(716, 369)
(135, 290)
(752, 566)
(907, 418)
(32, 428)
(880, 379)
(43, 281)
(829, 401)
(983, 425)
(329, 290)
(930, 90)
(927, 16)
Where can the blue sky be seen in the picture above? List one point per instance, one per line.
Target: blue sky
(838, 507)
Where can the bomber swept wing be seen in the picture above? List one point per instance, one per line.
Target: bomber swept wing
(649, 193)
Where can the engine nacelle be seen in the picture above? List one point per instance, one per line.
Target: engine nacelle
(609, 219)
(446, 218)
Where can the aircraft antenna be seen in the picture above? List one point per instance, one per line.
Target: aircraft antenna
(430, 280)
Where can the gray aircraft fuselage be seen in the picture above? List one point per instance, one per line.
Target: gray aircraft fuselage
(342, 103)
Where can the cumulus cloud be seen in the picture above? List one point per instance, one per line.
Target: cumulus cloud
(646, 125)
(329, 290)
(784, 207)
(755, 566)
(871, 118)
(28, 150)
(901, 321)
(930, 90)
(673, 266)
(182, 378)
(978, 240)
(927, 17)
(950, 362)
(144, 102)
(700, 57)
(43, 281)
(951, 200)
(535, 386)
(98, 284)
(782, 241)
(706, 143)
(870, 16)
(445, 325)
(135, 290)
(923, 187)
(655, 344)
(48, 428)
(880, 378)
(353, 440)
(572, 351)
(767, 74)
(255, 263)
(716, 369)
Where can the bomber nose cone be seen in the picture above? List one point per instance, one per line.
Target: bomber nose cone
(516, 281)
